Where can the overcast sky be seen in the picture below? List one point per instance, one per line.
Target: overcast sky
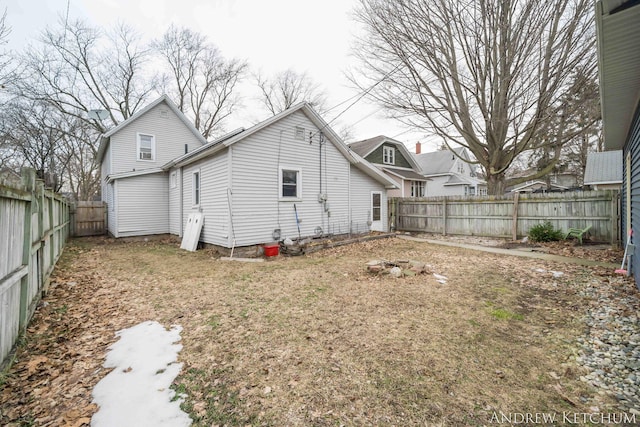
(313, 36)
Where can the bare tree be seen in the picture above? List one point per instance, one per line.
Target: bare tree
(83, 169)
(5, 57)
(287, 88)
(74, 69)
(34, 132)
(201, 80)
(77, 68)
(488, 74)
(583, 95)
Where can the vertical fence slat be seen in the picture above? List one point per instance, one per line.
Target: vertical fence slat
(34, 227)
(511, 216)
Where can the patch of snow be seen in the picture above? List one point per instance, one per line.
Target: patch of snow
(440, 278)
(136, 392)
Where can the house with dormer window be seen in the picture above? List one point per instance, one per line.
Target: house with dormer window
(450, 173)
(393, 158)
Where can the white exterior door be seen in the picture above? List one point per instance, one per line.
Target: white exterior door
(376, 211)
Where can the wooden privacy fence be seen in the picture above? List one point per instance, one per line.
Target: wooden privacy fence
(510, 216)
(34, 227)
(89, 219)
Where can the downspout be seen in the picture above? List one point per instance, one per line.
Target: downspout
(181, 200)
(349, 215)
(231, 238)
(116, 233)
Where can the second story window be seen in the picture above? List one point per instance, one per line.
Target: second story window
(146, 147)
(388, 155)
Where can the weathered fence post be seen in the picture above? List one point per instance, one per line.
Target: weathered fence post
(514, 225)
(444, 216)
(29, 182)
(616, 239)
(392, 213)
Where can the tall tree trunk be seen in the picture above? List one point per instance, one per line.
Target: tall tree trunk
(496, 184)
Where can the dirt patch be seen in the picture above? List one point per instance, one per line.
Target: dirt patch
(314, 340)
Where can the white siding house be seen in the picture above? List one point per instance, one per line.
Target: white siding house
(449, 175)
(287, 176)
(134, 186)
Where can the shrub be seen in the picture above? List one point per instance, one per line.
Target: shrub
(544, 233)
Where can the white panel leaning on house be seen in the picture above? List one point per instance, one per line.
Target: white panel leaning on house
(192, 231)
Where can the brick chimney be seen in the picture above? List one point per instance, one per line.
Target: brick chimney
(418, 147)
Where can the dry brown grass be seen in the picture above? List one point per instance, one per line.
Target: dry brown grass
(316, 340)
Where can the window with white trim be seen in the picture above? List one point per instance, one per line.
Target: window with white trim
(388, 155)
(299, 134)
(290, 183)
(146, 147)
(460, 167)
(376, 206)
(195, 185)
(173, 179)
(417, 189)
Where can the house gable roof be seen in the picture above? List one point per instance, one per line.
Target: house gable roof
(439, 162)
(311, 114)
(604, 168)
(105, 137)
(618, 63)
(405, 174)
(367, 146)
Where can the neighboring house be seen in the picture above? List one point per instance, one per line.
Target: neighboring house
(449, 175)
(287, 176)
(604, 170)
(537, 186)
(134, 184)
(396, 161)
(553, 182)
(618, 32)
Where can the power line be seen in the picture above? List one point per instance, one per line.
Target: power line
(383, 78)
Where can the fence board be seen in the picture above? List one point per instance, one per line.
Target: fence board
(89, 219)
(34, 227)
(510, 216)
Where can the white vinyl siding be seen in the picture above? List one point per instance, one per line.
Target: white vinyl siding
(175, 211)
(110, 197)
(143, 205)
(257, 209)
(171, 135)
(436, 187)
(215, 197)
(361, 188)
